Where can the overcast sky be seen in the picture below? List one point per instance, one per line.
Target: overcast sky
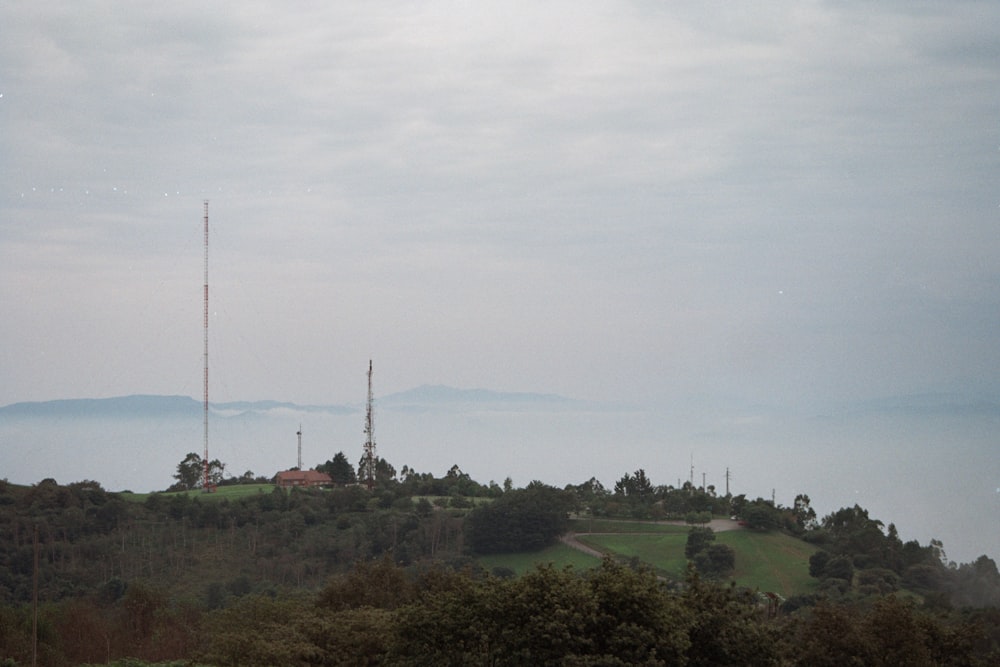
(787, 202)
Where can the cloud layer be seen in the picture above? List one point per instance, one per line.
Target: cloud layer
(794, 204)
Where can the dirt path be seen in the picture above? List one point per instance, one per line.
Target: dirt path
(569, 539)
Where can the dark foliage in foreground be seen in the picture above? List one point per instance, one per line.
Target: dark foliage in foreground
(613, 615)
(352, 577)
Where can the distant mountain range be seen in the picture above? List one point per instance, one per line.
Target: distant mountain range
(423, 398)
(441, 398)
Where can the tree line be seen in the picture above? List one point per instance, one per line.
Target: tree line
(142, 579)
(380, 613)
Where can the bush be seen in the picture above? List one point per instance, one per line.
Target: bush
(716, 562)
(522, 520)
(698, 540)
(882, 580)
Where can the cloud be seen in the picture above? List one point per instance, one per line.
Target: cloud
(595, 200)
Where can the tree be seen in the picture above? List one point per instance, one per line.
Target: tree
(805, 516)
(215, 470)
(761, 515)
(339, 469)
(697, 541)
(817, 564)
(190, 471)
(716, 561)
(839, 567)
(726, 627)
(383, 470)
(522, 520)
(854, 533)
(635, 486)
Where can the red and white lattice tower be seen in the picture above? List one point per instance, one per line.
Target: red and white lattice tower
(206, 482)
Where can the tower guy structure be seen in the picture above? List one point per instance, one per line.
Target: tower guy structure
(206, 482)
(368, 458)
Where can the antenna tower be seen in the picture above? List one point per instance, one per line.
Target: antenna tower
(368, 460)
(206, 486)
(299, 433)
(691, 479)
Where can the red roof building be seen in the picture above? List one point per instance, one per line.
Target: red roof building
(290, 478)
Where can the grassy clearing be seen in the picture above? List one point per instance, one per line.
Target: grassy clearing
(582, 525)
(768, 561)
(664, 552)
(559, 555)
(231, 492)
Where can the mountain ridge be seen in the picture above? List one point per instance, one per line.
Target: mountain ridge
(439, 397)
(149, 405)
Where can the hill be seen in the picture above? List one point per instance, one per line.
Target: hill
(425, 397)
(255, 574)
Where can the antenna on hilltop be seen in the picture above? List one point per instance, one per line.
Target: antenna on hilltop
(299, 433)
(368, 459)
(206, 485)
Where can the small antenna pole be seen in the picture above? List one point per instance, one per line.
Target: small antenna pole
(691, 478)
(299, 433)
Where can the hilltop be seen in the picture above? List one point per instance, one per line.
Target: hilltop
(150, 568)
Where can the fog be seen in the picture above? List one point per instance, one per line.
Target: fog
(934, 473)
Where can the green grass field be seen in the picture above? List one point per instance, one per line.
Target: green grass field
(767, 561)
(771, 561)
(623, 526)
(664, 552)
(559, 554)
(230, 492)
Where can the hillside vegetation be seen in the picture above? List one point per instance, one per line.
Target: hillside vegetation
(443, 570)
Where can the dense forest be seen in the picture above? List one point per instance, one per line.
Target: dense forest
(391, 576)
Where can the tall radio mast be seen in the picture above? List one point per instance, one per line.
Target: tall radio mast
(206, 486)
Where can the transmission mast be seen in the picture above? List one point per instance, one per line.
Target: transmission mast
(299, 434)
(368, 460)
(206, 485)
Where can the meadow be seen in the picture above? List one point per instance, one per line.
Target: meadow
(772, 561)
(231, 492)
(766, 561)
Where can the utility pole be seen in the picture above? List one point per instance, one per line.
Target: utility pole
(727, 481)
(368, 460)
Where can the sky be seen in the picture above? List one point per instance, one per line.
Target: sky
(786, 203)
